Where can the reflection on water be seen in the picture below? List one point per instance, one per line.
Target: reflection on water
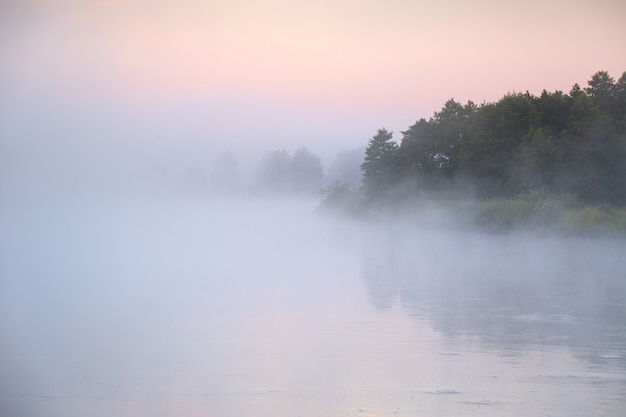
(220, 309)
(554, 309)
(509, 291)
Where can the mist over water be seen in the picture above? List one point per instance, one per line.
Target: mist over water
(205, 306)
(163, 251)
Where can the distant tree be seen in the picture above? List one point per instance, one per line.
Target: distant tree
(591, 155)
(451, 128)
(346, 167)
(620, 104)
(486, 156)
(274, 171)
(306, 172)
(417, 154)
(534, 162)
(497, 133)
(225, 174)
(553, 109)
(603, 90)
(573, 143)
(380, 170)
(430, 149)
(575, 91)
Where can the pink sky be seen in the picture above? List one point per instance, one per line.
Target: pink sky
(368, 62)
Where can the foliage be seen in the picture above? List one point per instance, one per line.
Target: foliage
(552, 163)
(346, 167)
(225, 174)
(562, 143)
(300, 173)
(550, 213)
(274, 171)
(534, 209)
(380, 171)
(429, 151)
(595, 220)
(342, 199)
(306, 172)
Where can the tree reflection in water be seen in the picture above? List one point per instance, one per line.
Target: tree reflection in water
(508, 291)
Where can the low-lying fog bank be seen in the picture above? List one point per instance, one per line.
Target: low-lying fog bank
(468, 272)
(536, 212)
(202, 305)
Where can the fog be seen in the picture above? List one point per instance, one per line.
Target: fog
(150, 266)
(161, 248)
(195, 304)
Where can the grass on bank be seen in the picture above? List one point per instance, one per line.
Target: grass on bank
(561, 213)
(534, 211)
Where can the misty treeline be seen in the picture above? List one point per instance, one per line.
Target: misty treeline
(278, 172)
(557, 142)
(301, 172)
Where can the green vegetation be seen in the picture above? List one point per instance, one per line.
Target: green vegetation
(550, 213)
(551, 162)
(340, 198)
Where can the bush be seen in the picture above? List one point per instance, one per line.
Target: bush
(340, 198)
(534, 209)
(595, 220)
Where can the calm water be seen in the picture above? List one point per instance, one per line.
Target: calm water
(202, 308)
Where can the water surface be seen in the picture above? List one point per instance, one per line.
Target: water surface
(260, 308)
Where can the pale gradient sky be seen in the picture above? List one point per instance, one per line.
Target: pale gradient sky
(327, 71)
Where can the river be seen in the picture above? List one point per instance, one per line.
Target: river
(197, 307)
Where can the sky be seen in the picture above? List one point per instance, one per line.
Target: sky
(242, 74)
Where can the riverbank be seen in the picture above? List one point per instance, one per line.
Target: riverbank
(534, 211)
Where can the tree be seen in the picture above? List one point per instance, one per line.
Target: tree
(416, 155)
(620, 104)
(497, 133)
(553, 109)
(306, 172)
(485, 157)
(574, 143)
(575, 91)
(225, 174)
(451, 127)
(380, 171)
(346, 167)
(591, 156)
(534, 162)
(602, 89)
(274, 171)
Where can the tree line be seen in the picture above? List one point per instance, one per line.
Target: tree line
(278, 173)
(562, 143)
(299, 173)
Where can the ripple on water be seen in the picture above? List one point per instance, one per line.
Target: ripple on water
(483, 401)
(443, 391)
(609, 356)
